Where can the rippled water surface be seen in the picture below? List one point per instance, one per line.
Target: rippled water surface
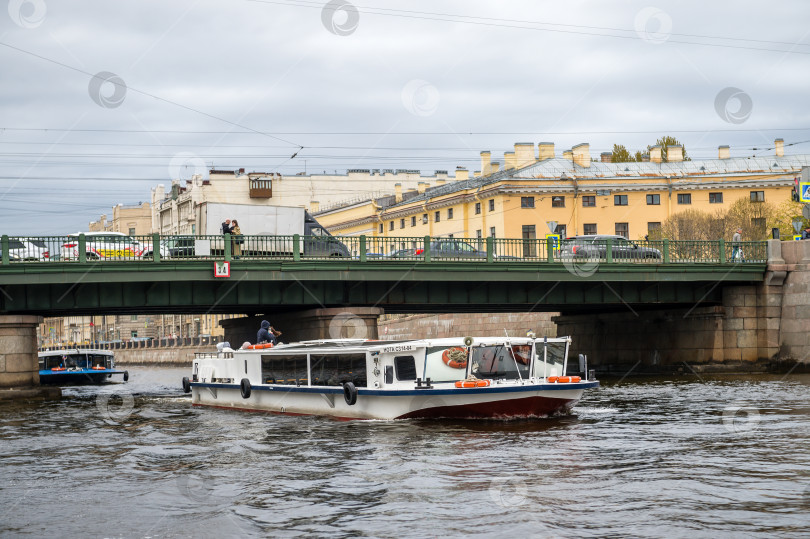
(699, 458)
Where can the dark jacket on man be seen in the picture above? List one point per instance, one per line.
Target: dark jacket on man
(226, 228)
(265, 335)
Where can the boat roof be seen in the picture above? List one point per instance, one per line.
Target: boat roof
(68, 351)
(363, 344)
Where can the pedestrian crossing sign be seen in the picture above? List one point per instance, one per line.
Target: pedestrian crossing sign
(797, 237)
(555, 240)
(804, 191)
(222, 269)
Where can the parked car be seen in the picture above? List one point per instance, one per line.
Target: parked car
(26, 250)
(595, 246)
(452, 248)
(102, 246)
(177, 247)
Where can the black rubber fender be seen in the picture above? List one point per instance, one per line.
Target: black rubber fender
(126, 376)
(186, 385)
(350, 393)
(244, 388)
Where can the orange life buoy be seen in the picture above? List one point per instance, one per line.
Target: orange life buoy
(99, 368)
(482, 383)
(58, 369)
(260, 346)
(452, 362)
(552, 379)
(564, 379)
(576, 379)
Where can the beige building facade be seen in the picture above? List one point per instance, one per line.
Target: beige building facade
(134, 220)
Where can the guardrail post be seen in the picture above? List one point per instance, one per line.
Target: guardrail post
(490, 249)
(363, 248)
(609, 251)
(426, 242)
(721, 244)
(156, 248)
(549, 250)
(297, 247)
(666, 251)
(4, 242)
(82, 249)
(227, 247)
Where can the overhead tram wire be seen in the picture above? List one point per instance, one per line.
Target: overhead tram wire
(153, 96)
(486, 21)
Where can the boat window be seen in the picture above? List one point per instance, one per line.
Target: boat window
(496, 362)
(555, 362)
(405, 367)
(440, 366)
(99, 359)
(337, 369)
(288, 369)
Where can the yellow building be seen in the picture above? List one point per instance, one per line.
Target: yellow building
(574, 193)
(135, 220)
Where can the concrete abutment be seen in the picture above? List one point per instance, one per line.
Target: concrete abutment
(19, 365)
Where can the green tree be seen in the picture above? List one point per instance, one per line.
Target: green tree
(621, 155)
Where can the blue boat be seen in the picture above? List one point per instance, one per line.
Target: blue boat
(77, 366)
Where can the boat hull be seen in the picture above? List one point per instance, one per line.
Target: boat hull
(84, 376)
(497, 402)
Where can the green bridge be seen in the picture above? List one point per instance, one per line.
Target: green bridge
(118, 274)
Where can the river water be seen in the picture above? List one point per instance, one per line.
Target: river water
(710, 457)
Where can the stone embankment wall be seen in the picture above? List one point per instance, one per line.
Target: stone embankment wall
(794, 330)
(172, 355)
(432, 326)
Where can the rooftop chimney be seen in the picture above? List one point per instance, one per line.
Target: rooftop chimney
(420, 187)
(462, 174)
(582, 154)
(546, 150)
(723, 152)
(779, 145)
(606, 157)
(440, 182)
(494, 167)
(568, 154)
(674, 154)
(645, 158)
(314, 206)
(524, 154)
(485, 161)
(398, 192)
(509, 160)
(655, 154)
(476, 174)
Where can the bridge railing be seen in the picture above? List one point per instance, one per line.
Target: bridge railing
(121, 248)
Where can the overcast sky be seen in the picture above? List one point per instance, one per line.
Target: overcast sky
(371, 84)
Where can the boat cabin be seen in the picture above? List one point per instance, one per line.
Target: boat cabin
(73, 360)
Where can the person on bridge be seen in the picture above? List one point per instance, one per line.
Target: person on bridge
(806, 233)
(226, 227)
(267, 334)
(736, 243)
(236, 239)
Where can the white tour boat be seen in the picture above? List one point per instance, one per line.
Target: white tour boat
(482, 377)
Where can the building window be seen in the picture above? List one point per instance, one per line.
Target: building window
(589, 228)
(133, 333)
(623, 229)
(492, 232)
(685, 198)
(715, 198)
(620, 200)
(413, 221)
(402, 223)
(449, 213)
(479, 238)
(588, 201)
(132, 231)
(133, 318)
(653, 227)
(529, 246)
(757, 196)
(424, 218)
(527, 202)
(381, 228)
(560, 230)
(653, 200)
(437, 217)
(558, 202)
(492, 204)
(390, 225)
(477, 208)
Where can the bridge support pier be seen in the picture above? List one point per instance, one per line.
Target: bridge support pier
(19, 366)
(310, 324)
